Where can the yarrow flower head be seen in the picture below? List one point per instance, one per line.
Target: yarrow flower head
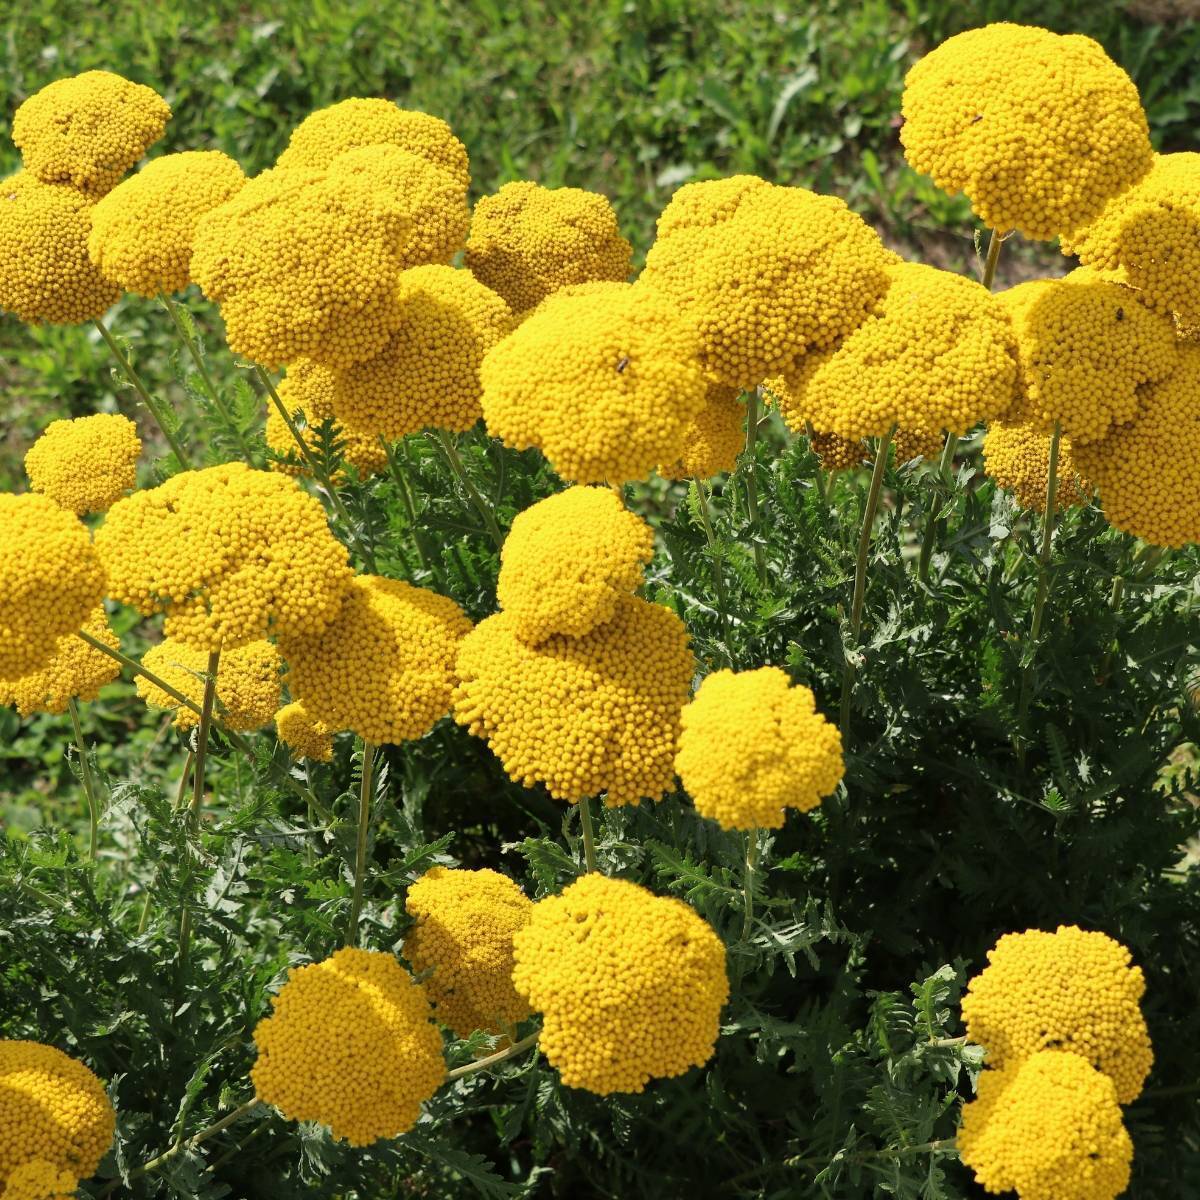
(53, 1110)
(630, 985)
(87, 464)
(88, 130)
(230, 554)
(385, 667)
(583, 715)
(40, 1180)
(463, 939)
(1017, 457)
(427, 375)
(568, 560)
(1071, 990)
(303, 734)
(604, 380)
(528, 241)
(778, 273)
(51, 579)
(754, 746)
(351, 1044)
(144, 229)
(1049, 1128)
(713, 439)
(1039, 130)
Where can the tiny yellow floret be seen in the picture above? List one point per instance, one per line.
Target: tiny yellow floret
(87, 464)
(713, 439)
(303, 734)
(1017, 457)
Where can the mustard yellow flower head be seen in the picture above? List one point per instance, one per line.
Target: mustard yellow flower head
(143, 230)
(630, 985)
(75, 672)
(53, 1109)
(528, 241)
(303, 734)
(568, 560)
(1048, 1128)
(707, 203)
(351, 1044)
(1087, 348)
(87, 464)
(1146, 471)
(51, 578)
(40, 1180)
(385, 667)
(786, 271)
(583, 715)
(604, 382)
(713, 439)
(1071, 990)
(303, 265)
(88, 130)
(46, 277)
(840, 453)
(754, 746)
(463, 938)
(1017, 457)
(229, 554)
(913, 444)
(428, 373)
(1039, 130)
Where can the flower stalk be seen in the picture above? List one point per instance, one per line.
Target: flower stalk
(89, 786)
(365, 784)
(455, 462)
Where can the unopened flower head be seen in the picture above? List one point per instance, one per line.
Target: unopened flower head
(87, 464)
(713, 439)
(304, 735)
(1017, 457)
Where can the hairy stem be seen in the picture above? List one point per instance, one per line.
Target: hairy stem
(760, 559)
(360, 848)
(89, 786)
(481, 1064)
(453, 459)
(589, 837)
(995, 242)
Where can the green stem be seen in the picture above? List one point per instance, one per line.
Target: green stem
(760, 560)
(935, 508)
(481, 1064)
(450, 450)
(995, 241)
(362, 832)
(748, 887)
(137, 668)
(589, 837)
(410, 509)
(89, 788)
(718, 574)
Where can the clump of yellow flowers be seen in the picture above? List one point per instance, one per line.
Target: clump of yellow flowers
(85, 465)
(304, 735)
(40, 1180)
(75, 671)
(1017, 457)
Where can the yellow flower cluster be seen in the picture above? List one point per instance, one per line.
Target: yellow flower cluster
(427, 374)
(528, 242)
(88, 130)
(598, 713)
(308, 389)
(350, 124)
(837, 453)
(51, 578)
(75, 672)
(1087, 347)
(754, 746)
(1038, 129)
(351, 1044)
(1048, 1128)
(87, 464)
(230, 554)
(1017, 457)
(303, 264)
(248, 682)
(630, 985)
(143, 230)
(568, 560)
(910, 444)
(52, 1108)
(463, 936)
(713, 438)
(782, 272)
(604, 381)
(46, 277)
(1071, 990)
(40, 1180)
(303, 734)
(385, 667)
(707, 204)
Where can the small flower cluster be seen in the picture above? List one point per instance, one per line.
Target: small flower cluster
(713, 438)
(85, 465)
(1017, 457)
(304, 735)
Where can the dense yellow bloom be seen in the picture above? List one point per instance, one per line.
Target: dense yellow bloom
(143, 230)
(604, 381)
(303, 734)
(630, 985)
(51, 578)
(1070, 990)
(568, 560)
(75, 672)
(528, 241)
(910, 444)
(230, 554)
(1017, 457)
(1087, 347)
(713, 438)
(308, 389)
(1038, 129)
(248, 682)
(839, 453)
(784, 272)
(754, 746)
(87, 464)
(303, 264)
(52, 1108)
(598, 713)
(706, 204)
(463, 936)
(351, 1044)
(1146, 471)
(46, 277)
(329, 132)
(88, 130)
(427, 374)
(40, 1180)
(385, 667)
(1048, 1128)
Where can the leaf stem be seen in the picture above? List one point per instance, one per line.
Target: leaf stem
(751, 460)
(450, 450)
(89, 787)
(748, 889)
(718, 574)
(945, 466)
(481, 1064)
(361, 837)
(589, 837)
